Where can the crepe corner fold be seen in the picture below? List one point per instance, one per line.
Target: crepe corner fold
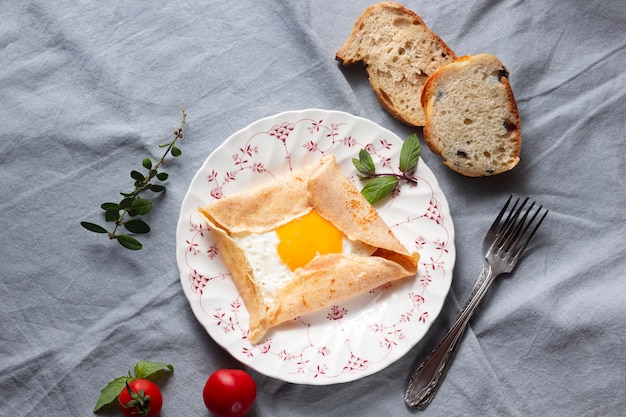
(327, 279)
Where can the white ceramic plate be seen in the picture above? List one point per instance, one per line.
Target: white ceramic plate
(340, 343)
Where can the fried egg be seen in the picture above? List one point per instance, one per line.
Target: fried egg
(275, 255)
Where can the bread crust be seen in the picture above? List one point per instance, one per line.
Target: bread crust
(472, 119)
(399, 52)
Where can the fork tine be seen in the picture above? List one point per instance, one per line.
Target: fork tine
(523, 247)
(496, 223)
(501, 253)
(508, 228)
(516, 228)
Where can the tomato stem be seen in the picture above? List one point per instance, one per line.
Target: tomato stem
(139, 400)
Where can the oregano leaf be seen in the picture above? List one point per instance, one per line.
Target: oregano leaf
(156, 188)
(379, 188)
(106, 206)
(136, 226)
(129, 242)
(141, 206)
(92, 227)
(125, 203)
(112, 214)
(131, 204)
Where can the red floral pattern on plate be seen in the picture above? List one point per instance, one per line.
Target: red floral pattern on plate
(342, 342)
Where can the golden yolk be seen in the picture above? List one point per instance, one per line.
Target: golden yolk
(303, 238)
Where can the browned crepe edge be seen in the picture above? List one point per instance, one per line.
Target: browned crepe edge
(331, 279)
(333, 195)
(235, 259)
(265, 207)
(328, 190)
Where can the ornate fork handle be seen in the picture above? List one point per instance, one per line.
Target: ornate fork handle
(426, 378)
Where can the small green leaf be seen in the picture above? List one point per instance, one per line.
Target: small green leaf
(110, 393)
(366, 160)
(136, 175)
(92, 227)
(129, 242)
(112, 214)
(409, 154)
(131, 204)
(125, 203)
(145, 369)
(106, 206)
(137, 226)
(363, 171)
(141, 206)
(156, 188)
(379, 188)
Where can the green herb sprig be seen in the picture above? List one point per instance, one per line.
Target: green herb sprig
(134, 205)
(143, 370)
(383, 184)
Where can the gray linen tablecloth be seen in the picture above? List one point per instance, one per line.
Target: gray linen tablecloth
(89, 88)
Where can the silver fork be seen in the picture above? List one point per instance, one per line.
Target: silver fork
(503, 247)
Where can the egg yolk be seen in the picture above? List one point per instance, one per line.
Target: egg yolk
(303, 238)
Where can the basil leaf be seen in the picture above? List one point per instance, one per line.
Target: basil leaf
(365, 173)
(110, 393)
(145, 369)
(147, 163)
(409, 154)
(379, 188)
(176, 152)
(366, 160)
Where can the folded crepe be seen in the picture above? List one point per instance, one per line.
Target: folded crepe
(328, 278)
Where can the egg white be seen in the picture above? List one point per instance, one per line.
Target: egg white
(270, 272)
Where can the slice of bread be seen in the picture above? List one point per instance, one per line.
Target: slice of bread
(399, 52)
(472, 120)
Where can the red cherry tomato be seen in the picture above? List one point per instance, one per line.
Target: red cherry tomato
(140, 397)
(229, 393)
